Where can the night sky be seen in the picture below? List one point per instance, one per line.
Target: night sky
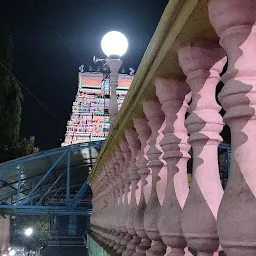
(46, 66)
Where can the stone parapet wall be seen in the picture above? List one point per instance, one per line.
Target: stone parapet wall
(178, 109)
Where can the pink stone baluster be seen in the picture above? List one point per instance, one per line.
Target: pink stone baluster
(99, 199)
(97, 205)
(110, 202)
(144, 132)
(114, 172)
(174, 96)
(117, 200)
(110, 199)
(107, 209)
(155, 116)
(202, 66)
(234, 21)
(94, 219)
(103, 220)
(114, 196)
(134, 145)
(120, 220)
(126, 200)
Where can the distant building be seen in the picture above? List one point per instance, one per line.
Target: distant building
(89, 119)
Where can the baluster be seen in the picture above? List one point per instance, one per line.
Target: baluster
(96, 207)
(110, 199)
(134, 145)
(120, 220)
(116, 212)
(174, 96)
(97, 198)
(100, 198)
(115, 189)
(236, 217)
(126, 200)
(143, 130)
(155, 116)
(107, 207)
(202, 66)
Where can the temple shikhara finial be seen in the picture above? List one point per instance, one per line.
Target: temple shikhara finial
(89, 120)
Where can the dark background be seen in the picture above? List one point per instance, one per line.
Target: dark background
(49, 69)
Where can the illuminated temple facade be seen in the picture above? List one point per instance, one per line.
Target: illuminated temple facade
(89, 119)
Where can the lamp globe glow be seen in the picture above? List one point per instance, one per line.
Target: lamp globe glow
(12, 252)
(28, 231)
(114, 43)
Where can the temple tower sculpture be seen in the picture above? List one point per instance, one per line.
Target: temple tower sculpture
(89, 120)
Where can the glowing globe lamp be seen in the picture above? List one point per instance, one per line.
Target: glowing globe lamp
(114, 43)
(28, 231)
(12, 252)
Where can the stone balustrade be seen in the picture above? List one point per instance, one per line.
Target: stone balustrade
(193, 91)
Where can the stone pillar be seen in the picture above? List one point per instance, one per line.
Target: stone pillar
(234, 22)
(202, 66)
(155, 116)
(134, 145)
(174, 96)
(143, 130)
(127, 195)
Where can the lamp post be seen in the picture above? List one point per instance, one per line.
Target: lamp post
(114, 44)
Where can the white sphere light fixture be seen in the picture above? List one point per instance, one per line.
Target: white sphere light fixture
(114, 43)
(28, 231)
(12, 252)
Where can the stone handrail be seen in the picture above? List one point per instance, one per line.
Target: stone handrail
(142, 201)
(171, 32)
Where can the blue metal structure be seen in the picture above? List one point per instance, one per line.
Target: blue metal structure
(55, 181)
(52, 181)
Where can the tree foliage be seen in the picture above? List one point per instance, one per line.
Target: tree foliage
(22, 147)
(40, 226)
(11, 145)
(4, 213)
(10, 96)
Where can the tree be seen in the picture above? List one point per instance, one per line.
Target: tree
(40, 226)
(11, 145)
(10, 97)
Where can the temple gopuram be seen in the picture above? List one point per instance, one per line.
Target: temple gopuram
(89, 120)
